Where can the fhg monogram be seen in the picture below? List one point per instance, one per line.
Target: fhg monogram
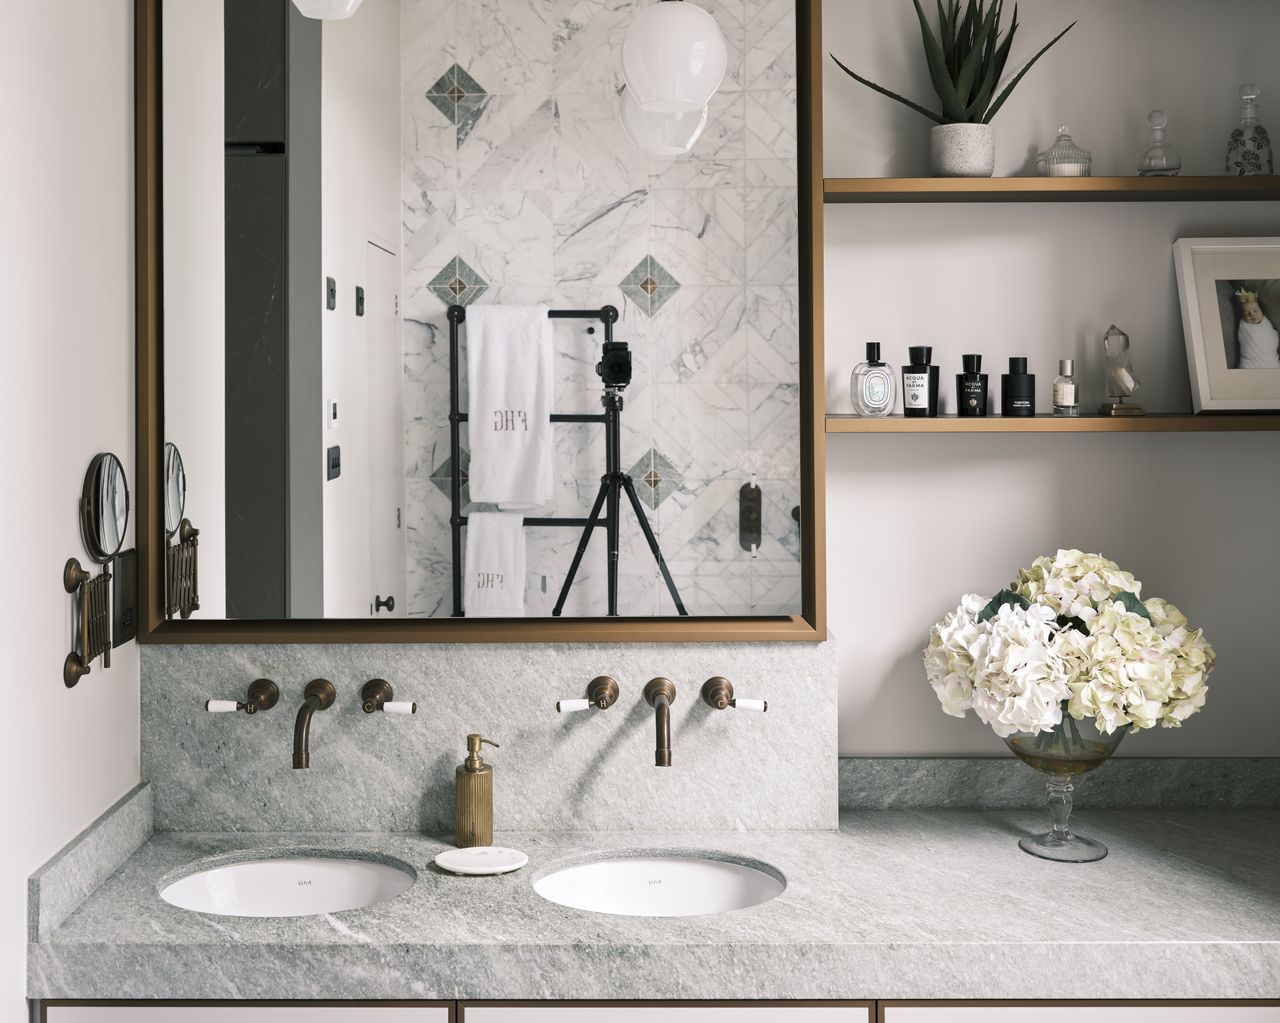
(489, 581)
(510, 419)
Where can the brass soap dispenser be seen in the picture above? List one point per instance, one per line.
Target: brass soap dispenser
(473, 816)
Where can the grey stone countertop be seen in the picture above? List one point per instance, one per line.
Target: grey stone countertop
(896, 904)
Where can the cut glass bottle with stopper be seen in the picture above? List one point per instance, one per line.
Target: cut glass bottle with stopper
(1158, 159)
(1249, 148)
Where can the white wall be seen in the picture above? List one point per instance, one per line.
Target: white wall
(916, 521)
(195, 276)
(66, 259)
(360, 115)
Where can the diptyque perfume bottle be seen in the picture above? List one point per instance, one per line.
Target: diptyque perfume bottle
(872, 386)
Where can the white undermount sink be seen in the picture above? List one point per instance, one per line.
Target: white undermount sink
(290, 885)
(676, 884)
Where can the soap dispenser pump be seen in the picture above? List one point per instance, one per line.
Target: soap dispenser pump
(473, 812)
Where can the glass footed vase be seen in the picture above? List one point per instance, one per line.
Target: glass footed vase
(1070, 750)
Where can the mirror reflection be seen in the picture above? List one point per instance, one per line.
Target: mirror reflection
(440, 340)
(175, 489)
(104, 507)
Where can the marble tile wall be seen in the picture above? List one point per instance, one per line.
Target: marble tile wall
(732, 770)
(519, 186)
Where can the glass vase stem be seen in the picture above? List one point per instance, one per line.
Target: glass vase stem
(1060, 790)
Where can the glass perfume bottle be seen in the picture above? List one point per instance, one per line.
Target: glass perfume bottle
(920, 384)
(872, 386)
(971, 388)
(1249, 149)
(1158, 159)
(1066, 395)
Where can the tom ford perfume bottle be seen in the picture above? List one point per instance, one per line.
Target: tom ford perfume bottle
(920, 384)
(971, 388)
(1018, 390)
(872, 386)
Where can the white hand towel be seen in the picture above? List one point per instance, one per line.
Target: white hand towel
(509, 367)
(495, 566)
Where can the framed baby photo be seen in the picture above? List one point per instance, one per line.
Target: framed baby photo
(1230, 291)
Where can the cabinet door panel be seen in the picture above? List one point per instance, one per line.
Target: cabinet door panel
(232, 1012)
(1077, 1013)
(765, 1013)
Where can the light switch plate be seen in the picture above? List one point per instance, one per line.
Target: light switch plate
(331, 413)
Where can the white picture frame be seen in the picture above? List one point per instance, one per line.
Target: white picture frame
(1216, 276)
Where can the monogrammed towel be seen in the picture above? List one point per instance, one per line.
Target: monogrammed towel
(509, 367)
(495, 565)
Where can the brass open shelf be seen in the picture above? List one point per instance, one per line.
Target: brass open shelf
(1106, 189)
(1053, 424)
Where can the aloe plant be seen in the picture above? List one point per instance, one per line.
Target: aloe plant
(967, 58)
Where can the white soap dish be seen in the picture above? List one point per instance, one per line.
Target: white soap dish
(481, 859)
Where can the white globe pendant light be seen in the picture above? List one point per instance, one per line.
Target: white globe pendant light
(327, 10)
(673, 57)
(659, 134)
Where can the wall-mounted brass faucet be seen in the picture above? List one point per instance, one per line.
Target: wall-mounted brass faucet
(660, 694)
(602, 693)
(262, 695)
(319, 695)
(717, 693)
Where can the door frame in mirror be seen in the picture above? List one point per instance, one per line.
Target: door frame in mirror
(808, 626)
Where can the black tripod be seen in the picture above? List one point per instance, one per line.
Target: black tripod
(612, 484)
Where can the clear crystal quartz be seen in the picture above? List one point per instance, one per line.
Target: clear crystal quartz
(1249, 150)
(1158, 159)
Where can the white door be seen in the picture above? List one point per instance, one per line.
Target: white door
(765, 1013)
(386, 435)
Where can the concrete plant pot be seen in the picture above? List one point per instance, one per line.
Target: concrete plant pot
(962, 150)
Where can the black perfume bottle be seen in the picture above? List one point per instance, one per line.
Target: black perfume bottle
(1018, 390)
(920, 384)
(971, 388)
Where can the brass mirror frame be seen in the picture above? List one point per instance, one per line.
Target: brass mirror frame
(809, 626)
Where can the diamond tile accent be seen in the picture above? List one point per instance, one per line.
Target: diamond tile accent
(460, 98)
(649, 285)
(655, 478)
(457, 284)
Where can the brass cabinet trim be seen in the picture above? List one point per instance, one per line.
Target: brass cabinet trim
(808, 626)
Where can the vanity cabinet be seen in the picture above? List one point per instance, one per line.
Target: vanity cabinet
(741, 1012)
(1072, 1013)
(244, 1012)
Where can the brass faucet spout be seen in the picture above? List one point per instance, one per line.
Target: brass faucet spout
(319, 695)
(660, 693)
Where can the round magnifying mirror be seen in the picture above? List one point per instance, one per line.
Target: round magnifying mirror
(175, 489)
(104, 507)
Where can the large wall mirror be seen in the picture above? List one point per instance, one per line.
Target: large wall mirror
(446, 355)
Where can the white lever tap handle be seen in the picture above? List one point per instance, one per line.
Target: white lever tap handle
(221, 706)
(570, 706)
(400, 707)
(756, 705)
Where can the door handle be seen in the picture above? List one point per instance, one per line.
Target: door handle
(379, 604)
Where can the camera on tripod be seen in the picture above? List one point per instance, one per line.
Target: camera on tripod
(614, 367)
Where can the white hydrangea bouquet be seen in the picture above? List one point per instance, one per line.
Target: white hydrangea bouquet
(1062, 665)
